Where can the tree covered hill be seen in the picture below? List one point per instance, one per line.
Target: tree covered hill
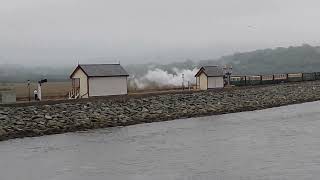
(303, 58)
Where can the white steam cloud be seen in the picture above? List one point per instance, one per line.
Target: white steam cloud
(163, 78)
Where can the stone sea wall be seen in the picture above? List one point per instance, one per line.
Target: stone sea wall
(37, 120)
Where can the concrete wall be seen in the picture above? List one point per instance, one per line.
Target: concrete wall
(7, 97)
(203, 81)
(215, 82)
(105, 86)
(83, 82)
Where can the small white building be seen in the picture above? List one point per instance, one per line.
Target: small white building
(90, 80)
(210, 77)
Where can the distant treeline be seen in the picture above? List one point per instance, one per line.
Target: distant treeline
(303, 58)
(18, 73)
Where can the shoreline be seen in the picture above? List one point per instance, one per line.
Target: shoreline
(45, 119)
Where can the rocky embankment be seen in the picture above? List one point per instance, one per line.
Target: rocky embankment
(39, 120)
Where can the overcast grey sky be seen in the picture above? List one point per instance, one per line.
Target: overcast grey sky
(137, 31)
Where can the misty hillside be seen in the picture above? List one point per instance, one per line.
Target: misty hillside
(303, 58)
(18, 73)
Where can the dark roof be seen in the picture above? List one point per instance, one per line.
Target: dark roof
(102, 70)
(211, 71)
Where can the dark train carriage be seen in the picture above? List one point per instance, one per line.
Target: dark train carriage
(280, 78)
(295, 77)
(308, 76)
(238, 80)
(317, 75)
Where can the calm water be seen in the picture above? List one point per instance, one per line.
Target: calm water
(279, 143)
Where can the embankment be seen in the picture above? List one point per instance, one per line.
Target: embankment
(37, 120)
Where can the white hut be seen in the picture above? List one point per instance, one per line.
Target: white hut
(90, 80)
(210, 77)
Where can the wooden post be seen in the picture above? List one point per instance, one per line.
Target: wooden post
(196, 82)
(260, 79)
(272, 78)
(245, 80)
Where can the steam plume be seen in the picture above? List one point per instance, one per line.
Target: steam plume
(162, 78)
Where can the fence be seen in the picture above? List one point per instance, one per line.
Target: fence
(273, 79)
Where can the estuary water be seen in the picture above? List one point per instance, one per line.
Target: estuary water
(277, 143)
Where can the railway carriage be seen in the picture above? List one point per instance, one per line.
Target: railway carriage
(317, 75)
(280, 78)
(238, 80)
(308, 76)
(267, 79)
(294, 77)
(253, 80)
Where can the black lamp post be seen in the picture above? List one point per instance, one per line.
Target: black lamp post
(228, 72)
(182, 81)
(29, 90)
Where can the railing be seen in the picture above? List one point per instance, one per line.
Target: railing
(74, 93)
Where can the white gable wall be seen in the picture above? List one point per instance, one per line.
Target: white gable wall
(105, 86)
(203, 81)
(83, 82)
(215, 82)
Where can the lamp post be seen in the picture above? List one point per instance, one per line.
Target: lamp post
(228, 72)
(182, 81)
(29, 90)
